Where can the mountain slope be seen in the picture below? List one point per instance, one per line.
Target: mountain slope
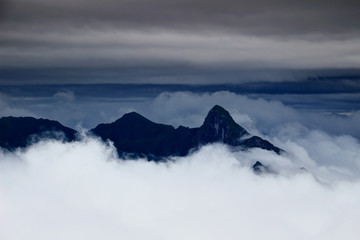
(22, 131)
(136, 134)
(219, 126)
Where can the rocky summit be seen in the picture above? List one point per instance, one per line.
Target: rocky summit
(135, 134)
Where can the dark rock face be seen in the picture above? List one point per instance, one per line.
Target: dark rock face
(133, 133)
(219, 126)
(21, 131)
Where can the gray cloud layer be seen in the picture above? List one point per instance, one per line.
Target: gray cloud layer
(157, 33)
(276, 17)
(112, 47)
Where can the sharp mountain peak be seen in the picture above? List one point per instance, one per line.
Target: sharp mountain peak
(220, 126)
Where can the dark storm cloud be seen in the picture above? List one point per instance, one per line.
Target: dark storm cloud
(106, 47)
(185, 74)
(181, 41)
(279, 17)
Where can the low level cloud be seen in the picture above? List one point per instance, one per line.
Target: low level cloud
(81, 190)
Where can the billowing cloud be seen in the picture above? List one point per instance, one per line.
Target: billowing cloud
(81, 190)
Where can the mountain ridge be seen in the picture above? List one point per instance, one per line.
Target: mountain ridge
(165, 140)
(134, 134)
(22, 131)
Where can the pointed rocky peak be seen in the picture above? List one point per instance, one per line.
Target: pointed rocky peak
(218, 109)
(219, 126)
(218, 113)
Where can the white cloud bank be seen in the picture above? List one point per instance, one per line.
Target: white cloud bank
(80, 190)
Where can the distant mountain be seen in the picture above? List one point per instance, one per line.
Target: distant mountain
(135, 134)
(22, 131)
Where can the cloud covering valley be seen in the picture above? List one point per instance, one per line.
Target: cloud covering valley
(82, 190)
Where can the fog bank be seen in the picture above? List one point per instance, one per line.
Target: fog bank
(54, 190)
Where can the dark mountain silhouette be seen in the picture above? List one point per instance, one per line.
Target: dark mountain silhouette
(135, 134)
(22, 131)
(219, 126)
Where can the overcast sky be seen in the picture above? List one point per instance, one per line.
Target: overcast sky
(176, 41)
(305, 54)
(286, 70)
